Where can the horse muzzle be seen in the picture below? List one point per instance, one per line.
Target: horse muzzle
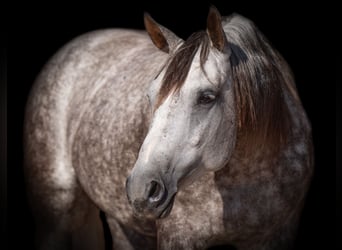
(149, 199)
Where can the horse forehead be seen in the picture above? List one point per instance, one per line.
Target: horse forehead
(213, 70)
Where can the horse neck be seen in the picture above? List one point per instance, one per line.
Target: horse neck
(268, 160)
(244, 167)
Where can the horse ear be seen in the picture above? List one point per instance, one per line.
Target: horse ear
(215, 30)
(162, 38)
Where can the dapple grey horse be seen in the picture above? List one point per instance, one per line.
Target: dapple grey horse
(182, 144)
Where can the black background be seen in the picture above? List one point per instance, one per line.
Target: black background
(38, 31)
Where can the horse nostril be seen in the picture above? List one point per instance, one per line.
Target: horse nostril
(155, 193)
(154, 190)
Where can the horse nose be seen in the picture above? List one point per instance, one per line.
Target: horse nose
(156, 193)
(146, 198)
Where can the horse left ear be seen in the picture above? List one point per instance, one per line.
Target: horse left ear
(215, 30)
(163, 39)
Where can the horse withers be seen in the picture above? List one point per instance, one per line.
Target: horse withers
(182, 144)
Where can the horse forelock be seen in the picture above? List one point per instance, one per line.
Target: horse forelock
(180, 62)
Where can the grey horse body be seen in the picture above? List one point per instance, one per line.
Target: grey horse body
(87, 117)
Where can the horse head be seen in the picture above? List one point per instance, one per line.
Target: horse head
(193, 129)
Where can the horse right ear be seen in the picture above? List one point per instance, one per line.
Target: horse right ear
(163, 39)
(215, 30)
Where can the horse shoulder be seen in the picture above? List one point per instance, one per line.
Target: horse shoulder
(61, 95)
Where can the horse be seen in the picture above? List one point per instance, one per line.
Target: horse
(181, 144)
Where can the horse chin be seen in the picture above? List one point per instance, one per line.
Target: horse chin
(156, 213)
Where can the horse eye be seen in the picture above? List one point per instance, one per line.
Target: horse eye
(206, 98)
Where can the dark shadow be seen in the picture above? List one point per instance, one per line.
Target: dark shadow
(237, 56)
(106, 231)
(222, 247)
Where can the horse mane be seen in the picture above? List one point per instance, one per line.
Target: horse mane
(259, 76)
